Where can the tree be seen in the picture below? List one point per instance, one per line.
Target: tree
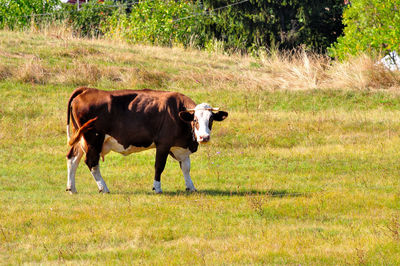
(371, 26)
(284, 24)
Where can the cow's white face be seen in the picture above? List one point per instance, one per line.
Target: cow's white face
(202, 119)
(202, 122)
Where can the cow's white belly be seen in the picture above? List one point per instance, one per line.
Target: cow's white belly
(111, 144)
(180, 153)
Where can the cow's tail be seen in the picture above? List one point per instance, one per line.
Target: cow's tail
(73, 95)
(82, 130)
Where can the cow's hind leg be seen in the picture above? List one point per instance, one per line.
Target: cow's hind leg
(99, 179)
(73, 158)
(94, 147)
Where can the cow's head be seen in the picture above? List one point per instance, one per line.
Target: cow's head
(201, 118)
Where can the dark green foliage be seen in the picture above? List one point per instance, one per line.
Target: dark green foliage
(273, 23)
(88, 20)
(234, 25)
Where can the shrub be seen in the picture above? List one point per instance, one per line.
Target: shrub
(157, 22)
(18, 14)
(371, 26)
(88, 20)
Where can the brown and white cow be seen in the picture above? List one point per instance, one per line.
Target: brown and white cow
(127, 121)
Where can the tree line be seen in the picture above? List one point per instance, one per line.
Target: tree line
(338, 27)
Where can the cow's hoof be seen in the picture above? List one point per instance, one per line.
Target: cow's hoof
(191, 189)
(157, 187)
(71, 191)
(157, 191)
(104, 191)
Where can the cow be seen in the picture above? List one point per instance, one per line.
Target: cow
(128, 121)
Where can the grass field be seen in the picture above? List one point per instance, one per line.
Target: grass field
(305, 170)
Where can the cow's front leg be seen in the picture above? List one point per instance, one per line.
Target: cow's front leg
(185, 166)
(161, 159)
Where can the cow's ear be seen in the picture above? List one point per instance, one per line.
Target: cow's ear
(221, 115)
(186, 116)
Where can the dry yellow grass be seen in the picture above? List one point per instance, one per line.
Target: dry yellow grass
(300, 70)
(92, 62)
(5, 72)
(32, 71)
(362, 73)
(80, 73)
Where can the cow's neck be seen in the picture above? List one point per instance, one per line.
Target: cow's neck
(192, 130)
(193, 145)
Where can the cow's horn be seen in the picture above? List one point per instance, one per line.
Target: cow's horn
(208, 109)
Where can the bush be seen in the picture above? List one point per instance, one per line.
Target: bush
(371, 26)
(88, 20)
(160, 22)
(19, 14)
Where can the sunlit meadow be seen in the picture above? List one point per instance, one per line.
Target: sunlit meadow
(305, 170)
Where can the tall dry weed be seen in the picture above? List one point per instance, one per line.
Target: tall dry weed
(5, 72)
(301, 70)
(79, 52)
(59, 30)
(149, 78)
(361, 73)
(140, 66)
(32, 71)
(294, 70)
(114, 73)
(79, 74)
(82, 73)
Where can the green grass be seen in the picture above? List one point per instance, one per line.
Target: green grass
(291, 177)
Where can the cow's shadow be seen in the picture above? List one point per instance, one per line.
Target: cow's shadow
(252, 192)
(218, 193)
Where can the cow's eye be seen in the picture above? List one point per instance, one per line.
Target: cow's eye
(196, 123)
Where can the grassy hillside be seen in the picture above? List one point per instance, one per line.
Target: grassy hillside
(304, 171)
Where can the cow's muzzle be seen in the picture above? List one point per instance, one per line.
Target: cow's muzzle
(204, 139)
